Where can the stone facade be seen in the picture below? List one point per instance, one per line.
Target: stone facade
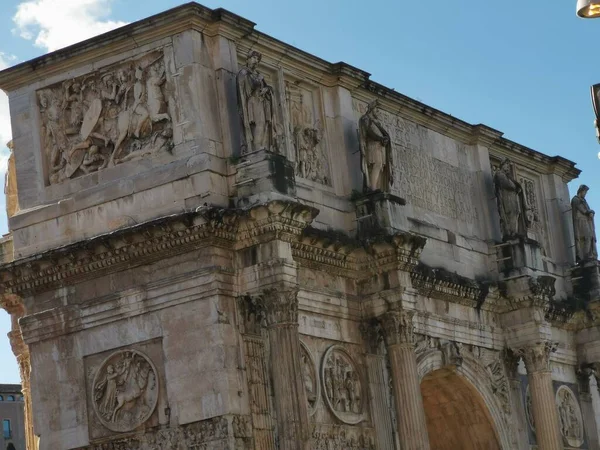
(219, 241)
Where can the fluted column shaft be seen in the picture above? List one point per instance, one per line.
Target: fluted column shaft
(281, 308)
(545, 413)
(412, 425)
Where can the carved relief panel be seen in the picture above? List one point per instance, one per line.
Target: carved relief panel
(310, 377)
(124, 389)
(343, 385)
(306, 130)
(571, 420)
(98, 120)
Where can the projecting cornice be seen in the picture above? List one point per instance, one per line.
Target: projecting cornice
(155, 240)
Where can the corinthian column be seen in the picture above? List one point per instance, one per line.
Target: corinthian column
(412, 426)
(281, 310)
(545, 414)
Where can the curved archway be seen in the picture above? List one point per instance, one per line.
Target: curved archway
(475, 387)
(457, 417)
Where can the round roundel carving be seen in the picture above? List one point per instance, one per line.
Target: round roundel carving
(342, 385)
(310, 378)
(125, 390)
(571, 420)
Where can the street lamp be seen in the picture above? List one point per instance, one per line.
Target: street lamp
(588, 9)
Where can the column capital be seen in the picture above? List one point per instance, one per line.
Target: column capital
(511, 361)
(398, 327)
(537, 355)
(280, 306)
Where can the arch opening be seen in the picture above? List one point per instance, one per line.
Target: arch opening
(457, 417)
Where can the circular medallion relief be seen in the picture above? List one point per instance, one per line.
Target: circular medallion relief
(125, 390)
(342, 386)
(310, 378)
(571, 420)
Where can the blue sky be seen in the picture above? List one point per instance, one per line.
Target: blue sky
(523, 68)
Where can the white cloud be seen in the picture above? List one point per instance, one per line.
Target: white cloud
(54, 24)
(51, 24)
(5, 130)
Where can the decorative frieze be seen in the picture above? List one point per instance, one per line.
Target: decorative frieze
(155, 240)
(340, 437)
(211, 433)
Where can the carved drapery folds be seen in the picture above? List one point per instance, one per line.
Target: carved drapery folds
(257, 108)
(537, 356)
(376, 151)
(106, 118)
(10, 183)
(512, 203)
(583, 226)
(398, 327)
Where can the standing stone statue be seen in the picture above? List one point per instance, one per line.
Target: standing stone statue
(583, 226)
(10, 183)
(256, 103)
(375, 150)
(512, 205)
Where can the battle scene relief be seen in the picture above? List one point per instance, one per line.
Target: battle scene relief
(125, 390)
(105, 118)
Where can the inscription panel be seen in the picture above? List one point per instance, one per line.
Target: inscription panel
(435, 185)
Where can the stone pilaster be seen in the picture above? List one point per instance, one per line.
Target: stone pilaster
(545, 413)
(281, 309)
(412, 426)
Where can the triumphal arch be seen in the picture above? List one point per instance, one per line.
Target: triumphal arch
(219, 241)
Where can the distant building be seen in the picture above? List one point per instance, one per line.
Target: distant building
(12, 416)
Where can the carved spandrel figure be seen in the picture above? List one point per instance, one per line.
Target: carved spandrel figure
(376, 151)
(256, 104)
(583, 226)
(512, 205)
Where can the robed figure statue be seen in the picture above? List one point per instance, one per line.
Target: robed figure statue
(512, 205)
(375, 151)
(583, 226)
(256, 104)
